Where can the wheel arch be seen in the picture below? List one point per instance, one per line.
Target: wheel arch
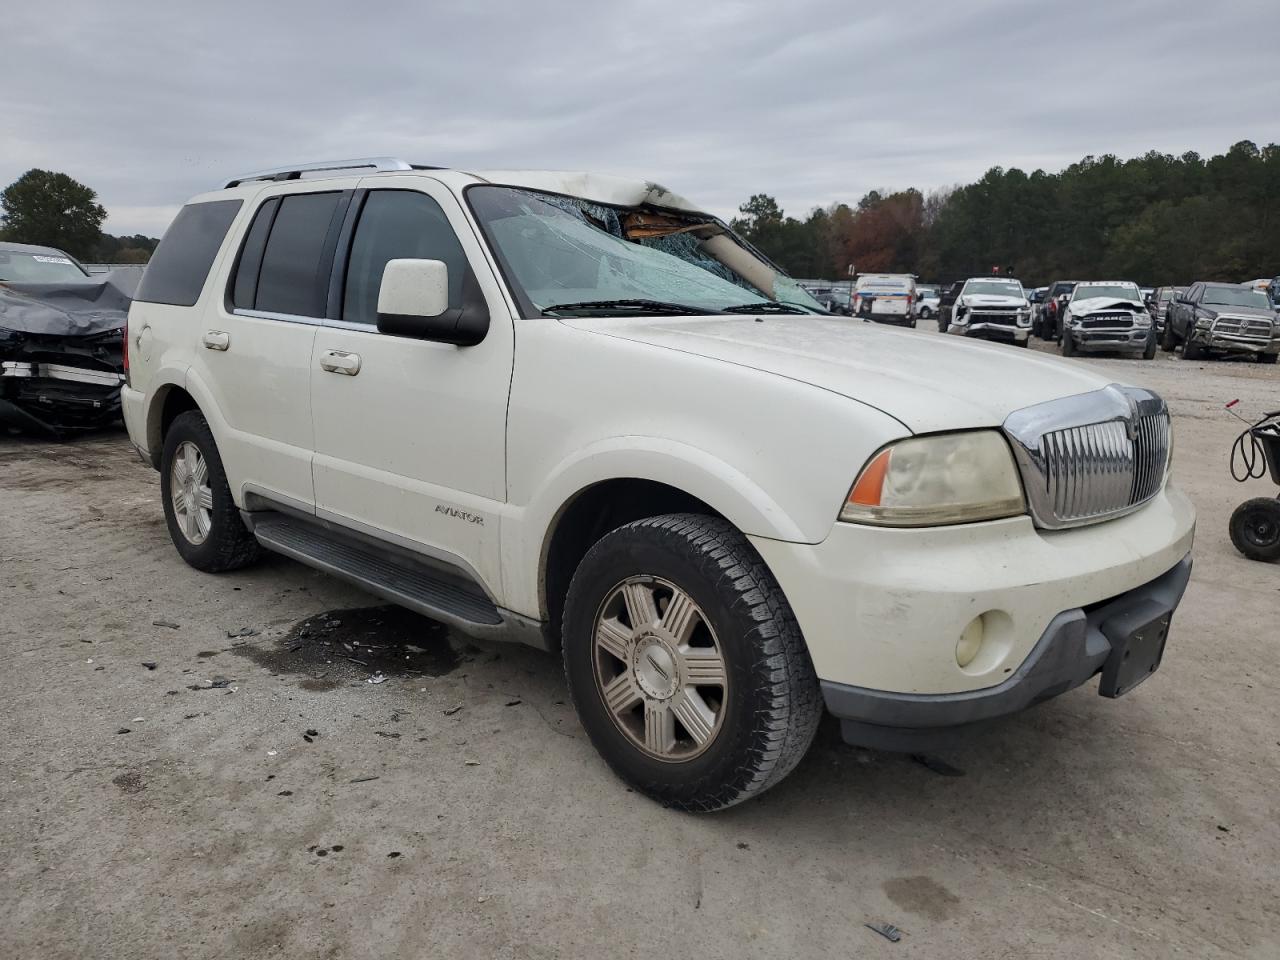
(614, 487)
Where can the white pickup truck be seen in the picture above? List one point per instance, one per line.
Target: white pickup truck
(578, 412)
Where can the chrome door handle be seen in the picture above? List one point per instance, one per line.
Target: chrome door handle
(335, 361)
(216, 339)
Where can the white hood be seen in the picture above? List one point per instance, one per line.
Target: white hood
(928, 383)
(1094, 304)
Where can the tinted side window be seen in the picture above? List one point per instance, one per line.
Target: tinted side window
(245, 288)
(180, 265)
(289, 280)
(398, 224)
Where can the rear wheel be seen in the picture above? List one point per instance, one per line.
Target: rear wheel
(204, 522)
(1255, 528)
(685, 663)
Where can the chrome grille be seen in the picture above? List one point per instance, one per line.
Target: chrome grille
(1090, 457)
(1108, 320)
(1243, 327)
(1007, 316)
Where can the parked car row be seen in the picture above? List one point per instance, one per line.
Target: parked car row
(1205, 319)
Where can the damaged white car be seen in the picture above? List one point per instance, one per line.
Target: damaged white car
(992, 308)
(1108, 315)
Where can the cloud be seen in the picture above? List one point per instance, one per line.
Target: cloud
(813, 101)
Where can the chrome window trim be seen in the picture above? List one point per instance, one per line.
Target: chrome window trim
(283, 317)
(1114, 404)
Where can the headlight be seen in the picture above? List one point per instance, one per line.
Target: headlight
(1203, 323)
(1142, 319)
(939, 479)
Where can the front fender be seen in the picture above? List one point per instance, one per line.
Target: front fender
(724, 488)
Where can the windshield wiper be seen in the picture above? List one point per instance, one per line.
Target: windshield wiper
(764, 306)
(637, 307)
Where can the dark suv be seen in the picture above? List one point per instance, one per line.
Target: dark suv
(1047, 321)
(1222, 318)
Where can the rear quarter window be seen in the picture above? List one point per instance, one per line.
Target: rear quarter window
(180, 265)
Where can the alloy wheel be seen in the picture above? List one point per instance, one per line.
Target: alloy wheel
(659, 669)
(191, 494)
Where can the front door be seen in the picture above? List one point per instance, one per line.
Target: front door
(410, 434)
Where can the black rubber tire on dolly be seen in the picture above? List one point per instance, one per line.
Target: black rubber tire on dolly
(228, 544)
(1255, 528)
(770, 713)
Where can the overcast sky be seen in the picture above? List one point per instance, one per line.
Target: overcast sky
(808, 100)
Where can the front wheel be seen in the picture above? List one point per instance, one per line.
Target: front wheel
(1192, 350)
(1255, 528)
(1068, 345)
(1168, 340)
(925, 313)
(1149, 353)
(686, 664)
(204, 522)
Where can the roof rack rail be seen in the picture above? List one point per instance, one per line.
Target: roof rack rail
(295, 171)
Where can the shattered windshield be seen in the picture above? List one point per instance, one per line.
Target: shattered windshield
(564, 253)
(23, 267)
(1113, 291)
(1236, 297)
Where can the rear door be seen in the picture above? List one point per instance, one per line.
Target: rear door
(257, 339)
(410, 435)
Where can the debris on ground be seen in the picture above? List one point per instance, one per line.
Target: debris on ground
(472, 763)
(123, 730)
(149, 664)
(217, 683)
(376, 678)
(393, 854)
(364, 779)
(886, 930)
(166, 623)
(514, 703)
(937, 765)
(450, 711)
(242, 632)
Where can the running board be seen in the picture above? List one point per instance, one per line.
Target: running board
(382, 572)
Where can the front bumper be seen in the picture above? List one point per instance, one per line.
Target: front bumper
(1127, 340)
(1078, 644)
(1230, 343)
(993, 331)
(883, 609)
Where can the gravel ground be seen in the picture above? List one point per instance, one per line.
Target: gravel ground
(196, 766)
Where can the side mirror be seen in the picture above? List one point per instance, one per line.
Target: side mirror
(413, 301)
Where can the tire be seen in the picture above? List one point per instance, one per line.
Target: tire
(1069, 345)
(1192, 350)
(1267, 357)
(1168, 339)
(218, 541)
(1022, 343)
(1150, 352)
(769, 703)
(925, 313)
(1255, 528)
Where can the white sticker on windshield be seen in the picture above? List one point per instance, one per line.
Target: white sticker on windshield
(39, 259)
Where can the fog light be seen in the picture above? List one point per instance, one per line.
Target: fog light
(970, 642)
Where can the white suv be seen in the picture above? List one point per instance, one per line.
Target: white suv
(577, 412)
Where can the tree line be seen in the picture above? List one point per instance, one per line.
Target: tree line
(1155, 219)
(51, 209)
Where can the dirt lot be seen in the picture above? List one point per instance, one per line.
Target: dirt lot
(196, 766)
